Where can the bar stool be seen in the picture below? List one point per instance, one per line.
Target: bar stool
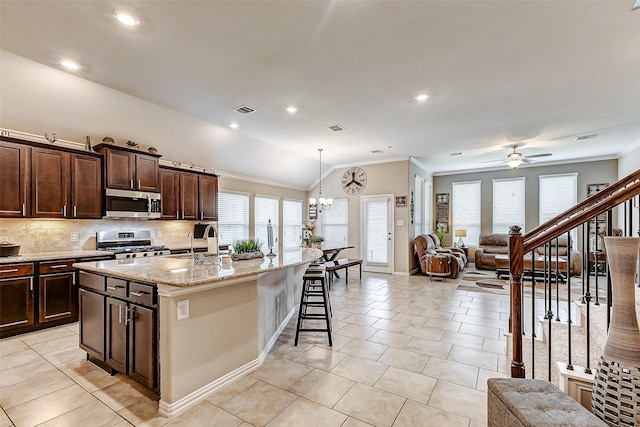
(314, 294)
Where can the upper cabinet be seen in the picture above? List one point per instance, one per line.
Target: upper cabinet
(14, 180)
(43, 182)
(128, 169)
(188, 195)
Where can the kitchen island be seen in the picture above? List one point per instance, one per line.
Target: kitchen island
(230, 315)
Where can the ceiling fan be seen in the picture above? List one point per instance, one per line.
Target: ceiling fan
(515, 159)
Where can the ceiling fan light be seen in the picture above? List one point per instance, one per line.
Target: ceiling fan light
(514, 162)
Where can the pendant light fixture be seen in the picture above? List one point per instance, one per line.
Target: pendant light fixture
(322, 203)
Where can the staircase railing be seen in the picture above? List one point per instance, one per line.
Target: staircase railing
(547, 266)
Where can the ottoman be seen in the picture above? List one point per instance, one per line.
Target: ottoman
(533, 403)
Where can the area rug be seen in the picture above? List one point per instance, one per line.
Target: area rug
(492, 283)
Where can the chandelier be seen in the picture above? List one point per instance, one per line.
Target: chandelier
(322, 203)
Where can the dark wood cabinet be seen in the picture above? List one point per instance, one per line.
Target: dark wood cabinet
(14, 180)
(92, 323)
(169, 194)
(127, 169)
(188, 195)
(16, 297)
(122, 318)
(86, 186)
(50, 183)
(208, 187)
(57, 292)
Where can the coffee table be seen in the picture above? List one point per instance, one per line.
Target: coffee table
(558, 267)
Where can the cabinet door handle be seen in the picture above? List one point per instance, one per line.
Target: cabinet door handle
(148, 201)
(119, 313)
(201, 215)
(131, 184)
(31, 284)
(24, 209)
(64, 210)
(113, 288)
(13, 270)
(139, 186)
(75, 211)
(138, 294)
(58, 266)
(127, 319)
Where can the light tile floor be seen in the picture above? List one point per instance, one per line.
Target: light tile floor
(407, 352)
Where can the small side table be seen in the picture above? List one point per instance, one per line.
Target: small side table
(598, 266)
(438, 266)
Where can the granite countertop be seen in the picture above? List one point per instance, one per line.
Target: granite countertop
(48, 256)
(181, 271)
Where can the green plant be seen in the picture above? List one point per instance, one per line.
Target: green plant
(108, 140)
(152, 149)
(244, 246)
(315, 238)
(442, 233)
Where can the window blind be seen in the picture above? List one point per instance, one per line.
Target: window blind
(291, 223)
(418, 215)
(233, 217)
(335, 223)
(557, 193)
(508, 204)
(265, 209)
(466, 210)
(377, 229)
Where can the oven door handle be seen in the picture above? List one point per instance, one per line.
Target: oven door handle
(149, 204)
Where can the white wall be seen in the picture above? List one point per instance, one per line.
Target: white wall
(38, 99)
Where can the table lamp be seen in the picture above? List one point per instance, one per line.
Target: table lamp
(461, 232)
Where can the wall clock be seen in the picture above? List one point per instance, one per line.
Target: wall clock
(354, 180)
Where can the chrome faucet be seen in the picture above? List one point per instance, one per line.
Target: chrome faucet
(190, 235)
(206, 231)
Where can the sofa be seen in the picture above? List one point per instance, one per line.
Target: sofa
(428, 246)
(489, 245)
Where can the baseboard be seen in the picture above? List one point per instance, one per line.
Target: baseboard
(400, 273)
(182, 405)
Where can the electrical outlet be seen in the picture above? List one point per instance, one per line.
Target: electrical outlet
(158, 234)
(183, 309)
(75, 237)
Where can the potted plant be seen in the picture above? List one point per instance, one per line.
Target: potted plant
(246, 249)
(316, 241)
(152, 150)
(133, 144)
(108, 140)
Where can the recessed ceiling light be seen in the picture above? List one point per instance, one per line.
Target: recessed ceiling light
(234, 125)
(70, 65)
(422, 97)
(292, 109)
(125, 18)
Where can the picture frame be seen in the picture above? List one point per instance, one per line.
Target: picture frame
(401, 201)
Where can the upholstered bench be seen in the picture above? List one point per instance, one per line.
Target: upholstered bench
(534, 403)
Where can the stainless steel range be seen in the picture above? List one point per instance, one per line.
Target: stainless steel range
(129, 244)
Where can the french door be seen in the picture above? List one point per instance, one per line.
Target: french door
(377, 233)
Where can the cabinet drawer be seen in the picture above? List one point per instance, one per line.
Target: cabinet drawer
(142, 293)
(57, 266)
(15, 270)
(92, 281)
(116, 287)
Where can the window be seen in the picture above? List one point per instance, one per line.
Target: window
(508, 204)
(291, 223)
(428, 206)
(335, 223)
(233, 217)
(418, 192)
(557, 194)
(466, 210)
(265, 209)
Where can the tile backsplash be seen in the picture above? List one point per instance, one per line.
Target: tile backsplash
(50, 235)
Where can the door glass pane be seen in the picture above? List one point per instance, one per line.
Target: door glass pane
(376, 232)
(291, 223)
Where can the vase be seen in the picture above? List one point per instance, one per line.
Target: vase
(616, 385)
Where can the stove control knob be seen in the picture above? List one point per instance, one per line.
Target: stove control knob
(145, 254)
(128, 256)
(133, 255)
(156, 254)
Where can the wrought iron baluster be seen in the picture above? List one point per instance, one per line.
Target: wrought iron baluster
(569, 322)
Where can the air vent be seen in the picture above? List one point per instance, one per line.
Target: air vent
(459, 153)
(583, 137)
(336, 128)
(243, 109)
(377, 152)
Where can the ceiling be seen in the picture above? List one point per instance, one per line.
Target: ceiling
(534, 73)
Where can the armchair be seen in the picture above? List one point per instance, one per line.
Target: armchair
(428, 246)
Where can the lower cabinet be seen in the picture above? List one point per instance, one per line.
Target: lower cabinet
(119, 326)
(16, 303)
(57, 293)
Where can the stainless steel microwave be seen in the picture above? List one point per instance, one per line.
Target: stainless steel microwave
(131, 204)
